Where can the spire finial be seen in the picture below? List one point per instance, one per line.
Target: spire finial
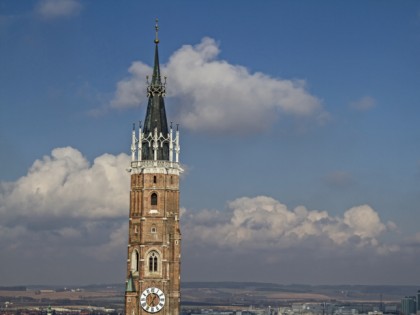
(157, 31)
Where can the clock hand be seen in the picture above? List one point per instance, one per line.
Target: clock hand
(154, 296)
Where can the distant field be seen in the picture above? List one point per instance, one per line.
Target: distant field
(245, 296)
(66, 295)
(265, 293)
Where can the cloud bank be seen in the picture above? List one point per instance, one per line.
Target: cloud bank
(212, 95)
(71, 215)
(264, 223)
(67, 210)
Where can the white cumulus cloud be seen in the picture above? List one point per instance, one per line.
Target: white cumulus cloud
(65, 184)
(209, 94)
(263, 222)
(64, 201)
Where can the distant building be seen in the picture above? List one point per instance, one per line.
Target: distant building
(408, 305)
(46, 291)
(418, 301)
(345, 311)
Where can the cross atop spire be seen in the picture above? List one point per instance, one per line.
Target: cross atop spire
(157, 31)
(156, 79)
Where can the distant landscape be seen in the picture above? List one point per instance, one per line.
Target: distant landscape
(249, 292)
(214, 294)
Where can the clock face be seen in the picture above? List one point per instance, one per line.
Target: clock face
(152, 300)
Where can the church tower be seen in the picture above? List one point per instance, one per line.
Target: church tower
(154, 237)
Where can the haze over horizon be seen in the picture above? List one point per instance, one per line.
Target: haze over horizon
(299, 137)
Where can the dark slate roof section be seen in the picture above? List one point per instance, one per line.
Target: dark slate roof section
(156, 114)
(156, 79)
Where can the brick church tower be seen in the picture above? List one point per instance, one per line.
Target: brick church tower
(154, 238)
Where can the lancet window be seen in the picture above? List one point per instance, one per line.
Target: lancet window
(153, 199)
(153, 262)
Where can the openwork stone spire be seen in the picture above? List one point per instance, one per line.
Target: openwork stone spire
(156, 114)
(156, 142)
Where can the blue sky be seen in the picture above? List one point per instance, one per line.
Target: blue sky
(299, 136)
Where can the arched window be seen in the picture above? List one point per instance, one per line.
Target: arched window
(153, 262)
(153, 199)
(135, 261)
